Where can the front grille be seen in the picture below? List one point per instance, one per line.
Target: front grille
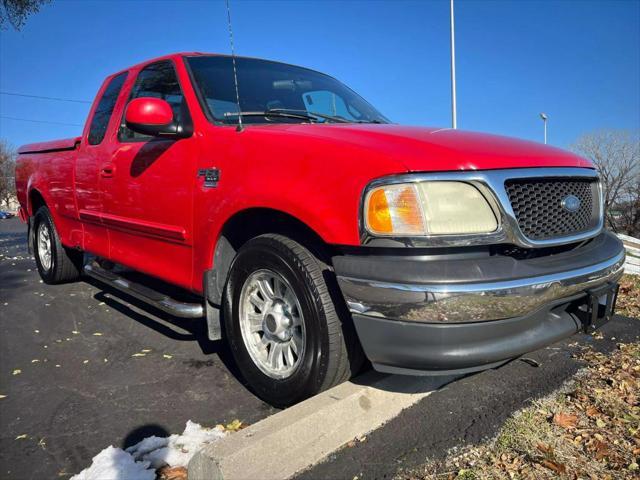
(538, 206)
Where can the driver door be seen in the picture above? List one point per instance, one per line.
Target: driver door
(148, 188)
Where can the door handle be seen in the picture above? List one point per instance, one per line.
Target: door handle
(107, 171)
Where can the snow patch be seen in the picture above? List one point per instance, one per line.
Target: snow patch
(140, 461)
(116, 464)
(175, 450)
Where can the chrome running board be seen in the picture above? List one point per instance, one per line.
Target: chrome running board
(145, 294)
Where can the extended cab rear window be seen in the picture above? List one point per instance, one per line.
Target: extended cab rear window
(101, 117)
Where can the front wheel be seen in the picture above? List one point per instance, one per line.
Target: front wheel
(282, 323)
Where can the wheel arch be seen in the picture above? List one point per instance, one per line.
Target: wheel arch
(36, 200)
(250, 223)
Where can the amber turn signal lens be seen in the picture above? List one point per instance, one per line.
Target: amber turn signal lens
(394, 210)
(378, 216)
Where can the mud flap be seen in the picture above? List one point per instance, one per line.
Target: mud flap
(30, 235)
(214, 329)
(212, 310)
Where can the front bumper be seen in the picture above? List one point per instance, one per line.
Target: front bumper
(438, 314)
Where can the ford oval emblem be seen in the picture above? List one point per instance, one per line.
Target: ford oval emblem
(571, 203)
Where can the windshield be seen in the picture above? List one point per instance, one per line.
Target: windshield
(272, 92)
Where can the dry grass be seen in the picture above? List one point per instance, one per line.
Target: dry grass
(590, 429)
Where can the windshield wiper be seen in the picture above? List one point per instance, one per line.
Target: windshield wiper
(370, 121)
(311, 114)
(271, 113)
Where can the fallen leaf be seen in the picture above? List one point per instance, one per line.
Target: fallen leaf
(592, 411)
(602, 450)
(21, 437)
(3, 396)
(35, 360)
(565, 420)
(544, 448)
(234, 426)
(600, 423)
(172, 473)
(559, 468)
(139, 355)
(85, 361)
(17, 371)
(167, 356)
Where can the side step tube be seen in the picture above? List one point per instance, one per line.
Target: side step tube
(145, 294)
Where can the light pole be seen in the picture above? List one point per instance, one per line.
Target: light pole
(454, 122)
(544, 118)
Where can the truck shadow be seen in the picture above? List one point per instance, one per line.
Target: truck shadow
(186, 329)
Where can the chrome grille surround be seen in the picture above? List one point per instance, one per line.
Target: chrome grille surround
(492, 185)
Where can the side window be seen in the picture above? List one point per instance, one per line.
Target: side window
(158, 80)
(103, 112)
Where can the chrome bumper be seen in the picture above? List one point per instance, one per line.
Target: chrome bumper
(473, 302)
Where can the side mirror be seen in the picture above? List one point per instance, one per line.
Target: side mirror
(153, 116)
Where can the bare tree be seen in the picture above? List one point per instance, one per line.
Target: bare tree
(629, 209)
(7, 173)
(616, 155)
(15, 12)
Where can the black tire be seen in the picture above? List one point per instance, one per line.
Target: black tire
(66, 263)
(332, 350)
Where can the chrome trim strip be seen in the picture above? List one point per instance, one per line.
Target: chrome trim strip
(491, 185)
(473, 302)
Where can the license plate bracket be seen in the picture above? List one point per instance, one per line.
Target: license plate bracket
(599, 307)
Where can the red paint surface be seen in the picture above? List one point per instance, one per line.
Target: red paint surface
(149, 111)
(143, 204)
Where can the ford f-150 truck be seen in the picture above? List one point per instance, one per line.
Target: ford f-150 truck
(312, 232)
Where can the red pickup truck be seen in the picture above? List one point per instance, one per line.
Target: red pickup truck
(315, 233)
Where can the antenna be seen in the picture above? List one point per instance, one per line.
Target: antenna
(235, 72)
(454, 119)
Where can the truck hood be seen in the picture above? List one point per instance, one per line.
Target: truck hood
(432, 149)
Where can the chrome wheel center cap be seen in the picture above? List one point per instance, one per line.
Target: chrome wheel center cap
(276, 323)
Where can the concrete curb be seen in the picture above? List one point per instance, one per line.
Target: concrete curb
(290, 441)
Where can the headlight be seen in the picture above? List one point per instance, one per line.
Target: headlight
(428, 208)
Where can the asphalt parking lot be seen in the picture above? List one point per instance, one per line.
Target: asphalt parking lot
(70, 380)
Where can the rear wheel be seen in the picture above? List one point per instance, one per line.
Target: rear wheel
(56, 263)
(283, 324)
